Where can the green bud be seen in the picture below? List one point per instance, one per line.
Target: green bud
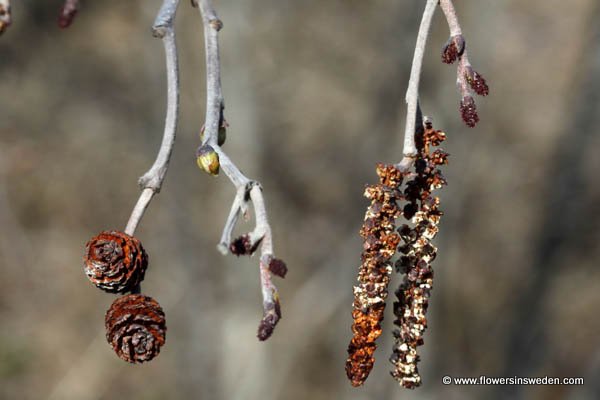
(208, 160)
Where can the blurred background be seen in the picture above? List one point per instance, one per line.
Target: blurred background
(314, 95)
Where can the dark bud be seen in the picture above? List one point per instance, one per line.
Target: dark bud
(266, 327)
(243, 246)
(454, 48)
(277, 267)
(476, 82)
(468, 111)
(269, 321)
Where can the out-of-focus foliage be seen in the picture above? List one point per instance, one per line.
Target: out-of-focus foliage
(314, 94)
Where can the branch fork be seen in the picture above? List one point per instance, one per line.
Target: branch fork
(467, 79)
(247, 190)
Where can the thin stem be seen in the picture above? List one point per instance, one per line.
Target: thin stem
(412, 93)
(455, 30)
(247, 190)
(232, 219)
(152, 180)
(450, 13)
(214, 93)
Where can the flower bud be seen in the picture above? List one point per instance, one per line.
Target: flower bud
(468, 111)
(476, 82)
(454, 48)
(208, 159)
(243, 246)
(278, 267)
(272, 315)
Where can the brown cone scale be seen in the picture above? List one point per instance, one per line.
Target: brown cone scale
(135, 328)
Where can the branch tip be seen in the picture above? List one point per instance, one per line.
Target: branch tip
(248, 191)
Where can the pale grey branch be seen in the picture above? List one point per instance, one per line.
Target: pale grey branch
(412, 93)
(152, 180)
(214, 95)
(450, 13)
(236, 210)
(247, 190)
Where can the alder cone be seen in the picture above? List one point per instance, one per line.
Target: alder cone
(115, 262)
(135, 328)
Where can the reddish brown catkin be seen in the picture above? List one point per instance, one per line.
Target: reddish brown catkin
(422, 210)
(379, 246)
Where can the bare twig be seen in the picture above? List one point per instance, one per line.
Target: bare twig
(412, 93)
(5, 16)
(450, 13)
(247, 190)
(467, 78)
(455, 30)
(152, 180)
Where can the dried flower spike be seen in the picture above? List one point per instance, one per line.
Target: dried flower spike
(135, 328)
(379, 246)
(115, 262)
(413, 293)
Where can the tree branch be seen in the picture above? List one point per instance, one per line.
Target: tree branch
(151, 181)
(5, 16)
(412, 93)
(247, 190)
